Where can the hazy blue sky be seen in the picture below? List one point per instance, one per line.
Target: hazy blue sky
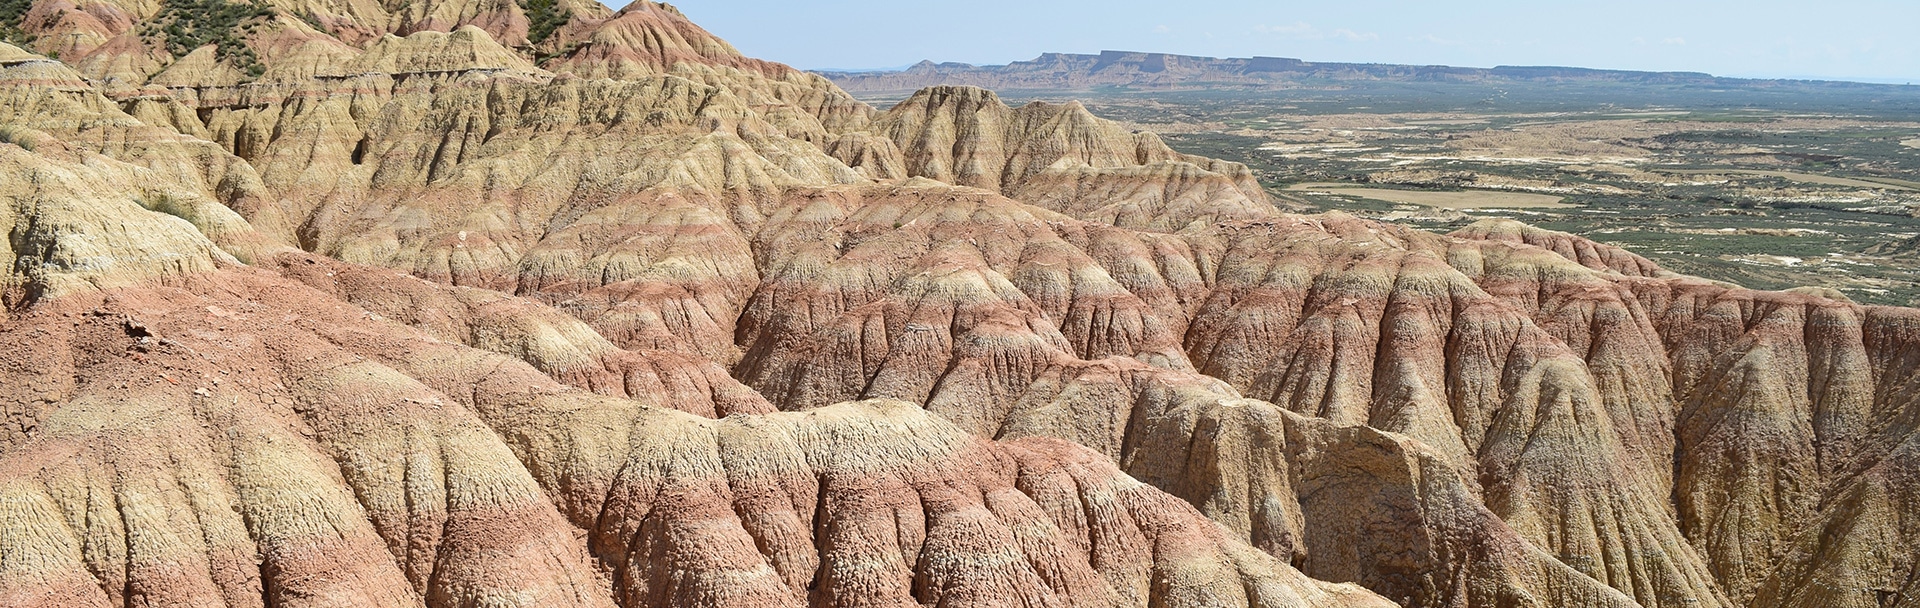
(1847, 39)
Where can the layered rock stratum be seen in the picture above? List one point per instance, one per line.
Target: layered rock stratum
(541, 304)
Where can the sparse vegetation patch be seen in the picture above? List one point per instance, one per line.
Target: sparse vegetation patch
(544, 17)
(12, 12)
(185, 25)
(1465, 199)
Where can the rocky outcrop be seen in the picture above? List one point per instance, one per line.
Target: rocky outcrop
(467, 49)
(1063, 158)
(373, 485)
(623, 199)
(905, 291)
(647, 38)
(230, 436)
(1789, 414)
(50, 111)
(995, 316)
(1582, 251)
(1843, 556)
(47, 203)
(554, 342)
(1356, 504)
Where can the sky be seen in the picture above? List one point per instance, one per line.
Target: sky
(1870, 40)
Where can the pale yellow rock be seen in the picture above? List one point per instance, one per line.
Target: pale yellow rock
(201, 67)
(1063, 158)
(176, 174)
(467, 49)
(72, 230)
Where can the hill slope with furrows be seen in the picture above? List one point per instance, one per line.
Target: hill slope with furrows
(984, 311)
(205, 433)
(1063, 158)
(1787, 410)
(515, 304)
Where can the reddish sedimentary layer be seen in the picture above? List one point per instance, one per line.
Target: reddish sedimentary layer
(1791, 412)
(1506, 416)
(183, 432)
(201, 433)
(553, 342)
(993, 315)
(1063, 158)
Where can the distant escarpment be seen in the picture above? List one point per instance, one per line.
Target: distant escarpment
(1067, 71)
(545, 304)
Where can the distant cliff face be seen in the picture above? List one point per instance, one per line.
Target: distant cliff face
(504, 304)
(1064, 71)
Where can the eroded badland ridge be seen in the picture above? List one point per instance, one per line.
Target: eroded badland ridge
(498, 304)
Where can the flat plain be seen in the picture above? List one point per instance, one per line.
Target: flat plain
(1446, 199)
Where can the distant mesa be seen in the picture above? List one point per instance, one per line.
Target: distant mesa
(1068, 71)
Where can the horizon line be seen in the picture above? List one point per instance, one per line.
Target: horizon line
(1873, 80)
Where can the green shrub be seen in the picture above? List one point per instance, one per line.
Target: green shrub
(185, 25)
(545, 17)
(540, 58)
(12, 12)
